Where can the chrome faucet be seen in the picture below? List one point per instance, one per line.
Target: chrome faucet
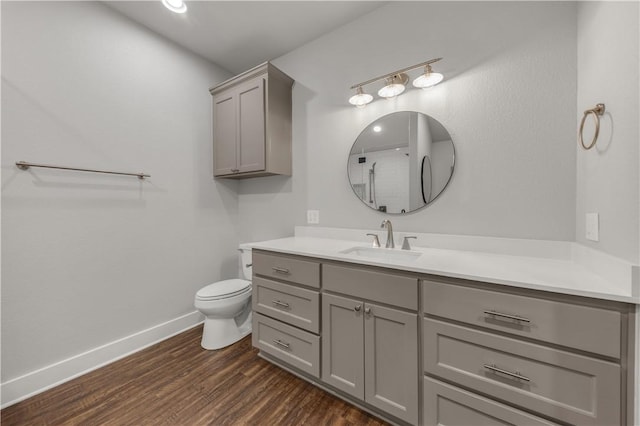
(387, 223)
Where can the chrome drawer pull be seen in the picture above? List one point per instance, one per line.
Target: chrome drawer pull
(515, 375)
(507, 316)
(280, 270)
(281, 304)
(281, 343)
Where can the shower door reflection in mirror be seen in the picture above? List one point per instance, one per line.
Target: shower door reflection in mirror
(401, 162)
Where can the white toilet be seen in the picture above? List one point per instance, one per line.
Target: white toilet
(226, 306)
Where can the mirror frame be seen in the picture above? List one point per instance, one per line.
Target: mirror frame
(453, 168)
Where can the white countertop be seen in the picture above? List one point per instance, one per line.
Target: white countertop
(558, 273)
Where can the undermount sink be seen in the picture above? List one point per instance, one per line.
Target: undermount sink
(383, 253)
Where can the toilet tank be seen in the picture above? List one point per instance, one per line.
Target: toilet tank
(245, 260)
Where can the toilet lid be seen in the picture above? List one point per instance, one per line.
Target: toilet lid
(223, 289)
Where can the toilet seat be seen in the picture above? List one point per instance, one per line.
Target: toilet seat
(223, 289)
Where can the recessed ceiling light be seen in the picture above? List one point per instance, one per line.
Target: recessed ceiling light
(176, 6)
(377, 129)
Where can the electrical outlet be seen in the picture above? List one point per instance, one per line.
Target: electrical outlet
(592, 227)
(313, 216)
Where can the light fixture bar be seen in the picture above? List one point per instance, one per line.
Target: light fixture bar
(422, 64)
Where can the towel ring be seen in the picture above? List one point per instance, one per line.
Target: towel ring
(596, 112)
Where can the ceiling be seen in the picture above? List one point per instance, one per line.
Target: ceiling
(238, 35)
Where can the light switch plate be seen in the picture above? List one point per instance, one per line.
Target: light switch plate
(313, 216)
(592, 227)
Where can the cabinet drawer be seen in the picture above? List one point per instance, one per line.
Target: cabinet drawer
(371, 284)
(291, 345)
(293, 305)
(569, 387)
(581, 327)
(286, 268)
(448, 405)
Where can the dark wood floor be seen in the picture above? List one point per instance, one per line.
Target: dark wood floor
(176, 382)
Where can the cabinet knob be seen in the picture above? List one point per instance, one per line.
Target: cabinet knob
(357, 308)
(367, 311)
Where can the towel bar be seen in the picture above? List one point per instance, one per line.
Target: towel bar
(23, 165)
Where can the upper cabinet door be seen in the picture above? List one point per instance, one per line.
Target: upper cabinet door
(251, 126)
(224, 131)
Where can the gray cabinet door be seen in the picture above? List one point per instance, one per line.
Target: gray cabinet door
(343, 344)
(391, 361)
(251, 130)
(224, 133)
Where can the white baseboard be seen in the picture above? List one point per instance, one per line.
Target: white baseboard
(30, 384)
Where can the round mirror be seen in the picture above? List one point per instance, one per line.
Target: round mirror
(401, 162)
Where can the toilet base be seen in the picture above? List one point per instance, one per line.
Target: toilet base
(222, 332)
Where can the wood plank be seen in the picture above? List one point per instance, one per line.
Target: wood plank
(176, 382)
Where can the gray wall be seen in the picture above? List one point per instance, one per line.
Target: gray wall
(607, 175)
(87, 258)
(509, 102)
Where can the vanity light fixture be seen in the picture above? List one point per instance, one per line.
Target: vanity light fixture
(395, 83)
(360, 99)
(177, 6)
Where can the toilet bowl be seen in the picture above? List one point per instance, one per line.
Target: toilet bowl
(226, 306)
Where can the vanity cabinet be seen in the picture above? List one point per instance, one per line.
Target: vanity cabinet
(421, 349)
(560, 358)
(252, 124)
(369, 350)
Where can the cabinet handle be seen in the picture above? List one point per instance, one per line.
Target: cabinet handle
(281, 304)
(367, 311)
(281, 343)
(235, 170)
(357, 308)
(515, 375)
(280, 270)
(506, 316)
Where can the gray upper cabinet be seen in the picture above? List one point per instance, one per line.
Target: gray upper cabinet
(252, 124)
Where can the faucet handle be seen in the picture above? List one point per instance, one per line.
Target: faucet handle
(405, 242)
(376, 241)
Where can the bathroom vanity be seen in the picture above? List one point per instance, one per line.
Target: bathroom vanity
(415, 347)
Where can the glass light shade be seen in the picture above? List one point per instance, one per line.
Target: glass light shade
(176, 6)
(391, 90)
(428, 79)
(395, 86)
(360, 99)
